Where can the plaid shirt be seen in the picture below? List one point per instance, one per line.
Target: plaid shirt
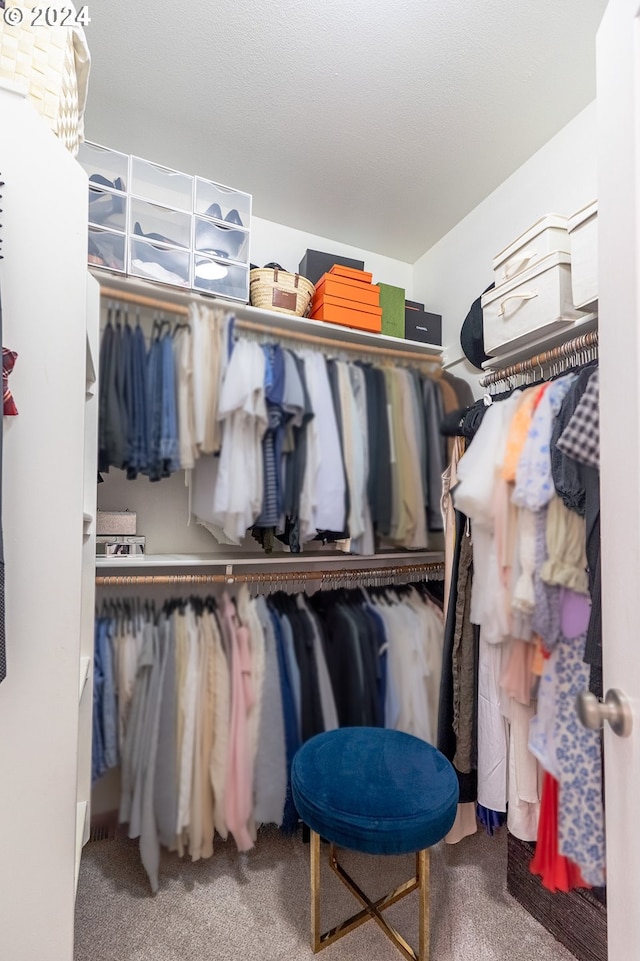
(580, 439)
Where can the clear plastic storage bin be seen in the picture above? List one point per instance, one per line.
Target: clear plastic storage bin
(161, 225)
(169, 265)
(220, 241)
(107, 249)
(107, 209)
(222, 203)
(220, 278)
(105, 167)
(161, 185)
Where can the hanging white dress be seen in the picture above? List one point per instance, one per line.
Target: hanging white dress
(228, 491)
(478, 472)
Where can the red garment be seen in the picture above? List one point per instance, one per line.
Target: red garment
(557, 872)
(9, 358)
(545, 387)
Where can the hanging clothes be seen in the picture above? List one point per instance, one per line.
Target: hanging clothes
(204, 703)
(330, 449)
(526, 495)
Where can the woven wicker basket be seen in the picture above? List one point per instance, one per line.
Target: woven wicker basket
(51, 64)
(273, 289)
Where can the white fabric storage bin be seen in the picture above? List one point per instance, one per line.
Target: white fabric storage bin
(536, 302)
(546, 236)
(583, 232)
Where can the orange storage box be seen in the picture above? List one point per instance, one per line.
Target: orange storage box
(347, 317)
(345, 281)
(347, 304)
(356, 293)
(362, 276)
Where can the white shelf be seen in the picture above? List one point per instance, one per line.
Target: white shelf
(286, 323)
(583, 325)
(84, 674)
(294, 561)
(81, 820)
(87, 521)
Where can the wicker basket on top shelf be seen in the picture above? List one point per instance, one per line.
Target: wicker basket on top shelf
(275, 289)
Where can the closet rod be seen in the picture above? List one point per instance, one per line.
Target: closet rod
(180, 309)
(352, 576)
(563, 352)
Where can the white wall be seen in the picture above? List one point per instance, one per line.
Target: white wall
(44, 320)
(560, 178)
(271, 242)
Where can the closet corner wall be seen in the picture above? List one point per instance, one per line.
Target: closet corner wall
(89, 503)
(48, 508)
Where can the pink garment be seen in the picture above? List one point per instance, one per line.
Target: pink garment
(239, 793)
(517, 674)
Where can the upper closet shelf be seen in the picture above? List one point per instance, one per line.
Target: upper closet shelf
(146, 294)
(534, 346)
(279, 561)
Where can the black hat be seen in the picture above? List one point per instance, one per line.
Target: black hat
(471, 335)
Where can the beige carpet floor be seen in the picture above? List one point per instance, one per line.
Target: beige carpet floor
(255, 907)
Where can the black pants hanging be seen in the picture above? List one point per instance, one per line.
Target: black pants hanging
(447, 742)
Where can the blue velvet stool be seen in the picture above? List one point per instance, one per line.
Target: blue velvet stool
(380, 792)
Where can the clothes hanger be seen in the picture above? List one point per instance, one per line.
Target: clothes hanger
(180, 325)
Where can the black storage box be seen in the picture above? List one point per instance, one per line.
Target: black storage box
(413, 305)
(315, 263)
(422, 326)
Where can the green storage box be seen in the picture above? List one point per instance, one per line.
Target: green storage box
(392, 303)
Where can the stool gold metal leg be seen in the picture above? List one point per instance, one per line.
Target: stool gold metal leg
(315, 891)
(423, 873)
(372, 910)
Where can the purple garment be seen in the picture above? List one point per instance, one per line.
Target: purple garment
(546, 613)
(575, 612)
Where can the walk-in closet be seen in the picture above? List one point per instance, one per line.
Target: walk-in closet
(320, 451)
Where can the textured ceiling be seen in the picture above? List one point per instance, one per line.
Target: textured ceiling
(379, 123)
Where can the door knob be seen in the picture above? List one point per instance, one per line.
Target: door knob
(615, 709)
